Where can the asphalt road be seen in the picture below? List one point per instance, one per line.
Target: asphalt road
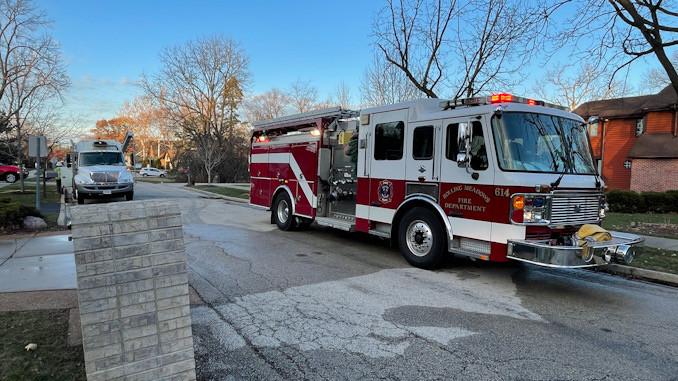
(328, 305)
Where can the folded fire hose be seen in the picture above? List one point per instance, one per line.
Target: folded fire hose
(590, 233)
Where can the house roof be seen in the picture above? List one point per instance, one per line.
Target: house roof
(655, 146)
(630, 106)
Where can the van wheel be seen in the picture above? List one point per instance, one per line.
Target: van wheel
(421, 238)
(79, 197)
(129, 196)
(10, 177)
(282, 212)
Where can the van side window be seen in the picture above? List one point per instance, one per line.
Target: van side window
(422, 144)
(451, 143)
(388, 141)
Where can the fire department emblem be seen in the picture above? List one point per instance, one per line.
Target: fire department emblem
(385, 191)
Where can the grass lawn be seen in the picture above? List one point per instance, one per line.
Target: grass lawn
(50, 195)
(225, 191)
(658, 260)
(52, 360)
(659, 225)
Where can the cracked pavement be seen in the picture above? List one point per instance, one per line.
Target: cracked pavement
(328, 305)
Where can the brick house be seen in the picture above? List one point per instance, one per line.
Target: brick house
(635, 143)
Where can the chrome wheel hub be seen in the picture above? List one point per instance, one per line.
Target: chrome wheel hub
(419, 238)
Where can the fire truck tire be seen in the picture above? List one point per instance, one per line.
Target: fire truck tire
(421, 238)
(282, 212)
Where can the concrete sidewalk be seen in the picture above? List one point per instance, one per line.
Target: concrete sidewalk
(37, 262)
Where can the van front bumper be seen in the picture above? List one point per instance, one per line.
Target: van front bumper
(117, 189)
(622, 248)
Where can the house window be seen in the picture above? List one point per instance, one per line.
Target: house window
(640, 127)
(627, 164)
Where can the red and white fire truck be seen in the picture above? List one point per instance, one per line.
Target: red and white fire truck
(493, 178)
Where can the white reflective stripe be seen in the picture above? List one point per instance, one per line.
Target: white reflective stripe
(381, 214)
(259, 158)
(481, 230)
(362, 211)
(502, 232)
(288, 158)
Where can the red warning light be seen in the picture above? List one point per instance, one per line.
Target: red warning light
(531, 102)
(503, 97)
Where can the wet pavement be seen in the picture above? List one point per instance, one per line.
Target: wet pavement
(37, 263)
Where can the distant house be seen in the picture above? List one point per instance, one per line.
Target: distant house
(635, 143)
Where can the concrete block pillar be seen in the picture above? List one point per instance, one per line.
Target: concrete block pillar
(133, 291)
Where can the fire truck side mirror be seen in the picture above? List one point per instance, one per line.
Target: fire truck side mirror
(464, 145)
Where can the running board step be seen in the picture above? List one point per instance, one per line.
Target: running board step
(348, 226)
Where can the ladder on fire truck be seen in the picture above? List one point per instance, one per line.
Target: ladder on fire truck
(336, 112)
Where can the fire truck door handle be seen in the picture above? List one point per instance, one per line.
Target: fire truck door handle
(376, 203)
(456, 214)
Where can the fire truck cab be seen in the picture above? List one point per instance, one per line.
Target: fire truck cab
(493, 178)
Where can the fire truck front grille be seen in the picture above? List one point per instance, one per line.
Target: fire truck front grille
(105, 177)
(575, 210)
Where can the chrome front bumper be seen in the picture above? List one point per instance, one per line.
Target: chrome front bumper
(622, 248)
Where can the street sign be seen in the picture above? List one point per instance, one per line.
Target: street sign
(37, 145)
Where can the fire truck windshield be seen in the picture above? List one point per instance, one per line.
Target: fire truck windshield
(541, 143)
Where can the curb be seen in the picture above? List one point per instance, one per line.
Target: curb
(644, 274)
(216, 195)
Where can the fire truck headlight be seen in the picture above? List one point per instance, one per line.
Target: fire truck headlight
(528, 209)
(528, 216)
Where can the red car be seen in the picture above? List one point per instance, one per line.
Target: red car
(10, 173)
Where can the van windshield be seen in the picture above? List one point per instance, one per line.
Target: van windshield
(541, 143)
(101, 158)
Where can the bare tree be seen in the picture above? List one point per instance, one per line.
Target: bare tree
(410, 35)
(444, 46)
(30, 65)
(566, 86)
(303, 96)
(200, 86)
(271, 104)
(655, 79)
(341, 95)
(619, 32)
(383, 83)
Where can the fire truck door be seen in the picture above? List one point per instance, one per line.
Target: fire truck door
(423, 151)
(477, 173)
(386, 156)
(466, 192)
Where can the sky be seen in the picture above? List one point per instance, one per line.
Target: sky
(108, 45)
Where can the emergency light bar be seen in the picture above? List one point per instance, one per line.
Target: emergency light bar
(494, 99)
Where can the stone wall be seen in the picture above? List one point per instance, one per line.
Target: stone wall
(133, 291)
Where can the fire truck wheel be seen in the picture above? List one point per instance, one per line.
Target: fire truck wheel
(282, 212)
(421, 238)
